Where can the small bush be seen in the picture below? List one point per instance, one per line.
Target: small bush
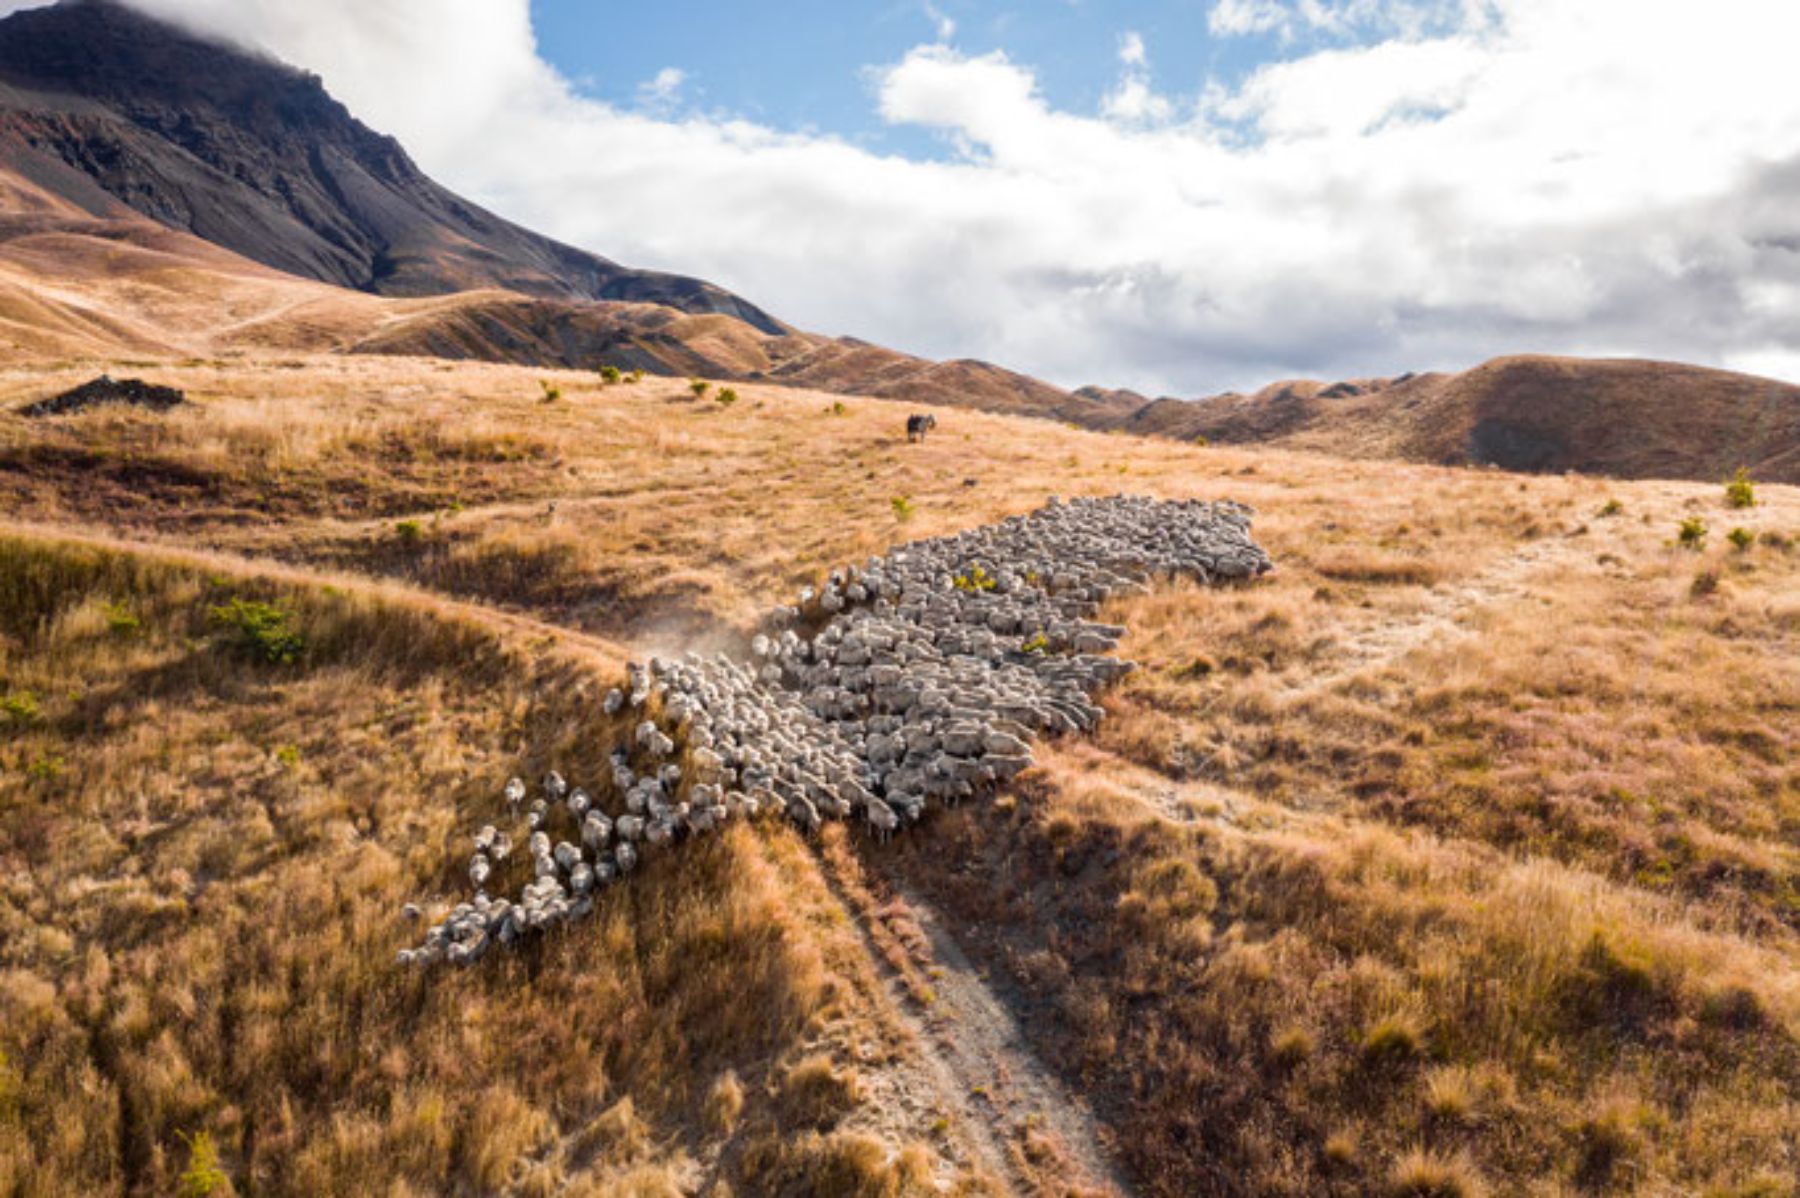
(1705, 583)
(288, 755)
(263, 630)
(1739, 490)
(552, 392)
(1741, 539)
(47, 768)
(21, 707)
(726, 397)
(903, 507)
(609, 375)
(699, 387)
(1692, 534)
(636, 376)
(121, 621)
(409, 532)
(1037, 644)
(203, 1177)
(838, 408)
(1612, 507)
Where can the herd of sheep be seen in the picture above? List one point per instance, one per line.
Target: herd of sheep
(921, 677)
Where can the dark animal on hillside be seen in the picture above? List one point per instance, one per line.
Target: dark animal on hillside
(918, 426)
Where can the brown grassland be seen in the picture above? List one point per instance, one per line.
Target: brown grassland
(1460, 856)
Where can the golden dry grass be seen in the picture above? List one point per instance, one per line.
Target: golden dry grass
(205, 854)
(1459, 856)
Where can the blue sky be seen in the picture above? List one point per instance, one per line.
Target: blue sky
(804, 66)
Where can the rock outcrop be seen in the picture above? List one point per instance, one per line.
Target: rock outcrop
(920, 678)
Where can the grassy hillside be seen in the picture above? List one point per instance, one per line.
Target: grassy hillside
(1457, 857)
(205, 857)
(1626, 418)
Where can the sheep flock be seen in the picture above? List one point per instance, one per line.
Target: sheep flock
(920, 678)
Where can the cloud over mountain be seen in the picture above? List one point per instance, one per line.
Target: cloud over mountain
(1431, 184)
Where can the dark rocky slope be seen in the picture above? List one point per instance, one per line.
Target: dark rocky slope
(103, 105)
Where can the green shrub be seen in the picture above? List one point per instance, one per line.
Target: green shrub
(903, 507)
(47, 768)
(263, 630)
(726, 397)
(21, 707)
(610, 375)
(552, 392)
(1705, 583)
(1692, 534)
(636, 376)
(1611, 507)
(838, 408)
(288, 755)
(409, 531)
(699, 387)
(1739, 490)
(203, 1177)
(120, 620)
(1037, 644)
(1741, 538)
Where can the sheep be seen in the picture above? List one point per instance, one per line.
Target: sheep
(928, 676)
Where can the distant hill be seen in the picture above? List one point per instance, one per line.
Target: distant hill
(108, 108)
(1626, 418)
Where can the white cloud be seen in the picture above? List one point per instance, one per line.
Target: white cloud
(663, 89)
(942, 22)
(1133, 101)
(1458, 180)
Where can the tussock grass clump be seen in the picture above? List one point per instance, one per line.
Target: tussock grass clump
(843, 1163)
(815, 1092)
(725, 1102)
(1423, 1174)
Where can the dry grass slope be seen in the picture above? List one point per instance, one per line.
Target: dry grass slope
(1457, 857)
(205, 852)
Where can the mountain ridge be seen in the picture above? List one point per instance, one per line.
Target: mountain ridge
(256, 156)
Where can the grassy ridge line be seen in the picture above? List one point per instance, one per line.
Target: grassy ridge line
(516, 629)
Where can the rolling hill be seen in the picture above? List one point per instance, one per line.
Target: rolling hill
(1627, 418)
